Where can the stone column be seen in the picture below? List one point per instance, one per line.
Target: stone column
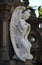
(4, 33)
(5, 41)
(5, 37)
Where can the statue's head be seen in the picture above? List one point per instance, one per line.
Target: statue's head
(26, 14)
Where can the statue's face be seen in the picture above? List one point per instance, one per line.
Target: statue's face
(26, 14)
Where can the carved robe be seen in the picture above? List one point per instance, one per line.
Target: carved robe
(18, 34)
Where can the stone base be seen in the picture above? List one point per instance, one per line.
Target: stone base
(29, 62)
(5, 59)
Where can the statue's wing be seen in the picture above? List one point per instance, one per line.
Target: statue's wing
(13, 23)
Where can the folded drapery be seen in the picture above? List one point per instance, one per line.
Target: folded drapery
(19, 33)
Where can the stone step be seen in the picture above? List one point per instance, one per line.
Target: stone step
(15, 62)
(11, 62)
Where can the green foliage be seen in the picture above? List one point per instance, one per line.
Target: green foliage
(40, 11)
(29, 7)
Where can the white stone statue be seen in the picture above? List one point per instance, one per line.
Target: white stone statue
(19, 30)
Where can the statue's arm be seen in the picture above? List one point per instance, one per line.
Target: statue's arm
(28, 31)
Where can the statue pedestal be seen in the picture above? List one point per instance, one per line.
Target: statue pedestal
(29, 62)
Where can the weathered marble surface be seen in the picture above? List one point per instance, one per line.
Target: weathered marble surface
(19, 30)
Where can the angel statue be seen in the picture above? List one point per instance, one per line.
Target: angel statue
(19, 31)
